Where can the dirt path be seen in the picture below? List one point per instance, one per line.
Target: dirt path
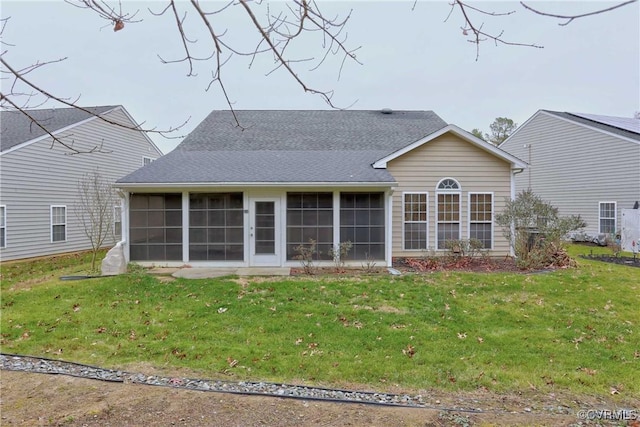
(29, 399)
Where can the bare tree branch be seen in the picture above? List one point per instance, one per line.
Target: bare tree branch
(16, 98)
(37, 123)
(18, 76)
(486, 12)
(571, 18)
(477, 33)
(275, 36)
(277, 33)
(216, 74)
(94, 210)
(107, 12)
(306, 12)
(185, 40)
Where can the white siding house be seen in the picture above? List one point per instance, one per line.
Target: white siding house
(582, 164)
(39, 178)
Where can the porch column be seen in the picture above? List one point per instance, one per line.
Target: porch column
(388, 244)
(185, 227)
(336, 218)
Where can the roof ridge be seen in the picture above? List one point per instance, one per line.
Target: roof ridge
(378, 110)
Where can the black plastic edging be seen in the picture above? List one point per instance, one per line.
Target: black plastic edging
(247, 393)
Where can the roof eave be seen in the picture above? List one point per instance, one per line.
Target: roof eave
(461, 133)
(182, 185)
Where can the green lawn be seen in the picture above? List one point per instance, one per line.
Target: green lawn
(576, 330)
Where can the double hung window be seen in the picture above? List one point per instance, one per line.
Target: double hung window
(448, 212)
(415, 220)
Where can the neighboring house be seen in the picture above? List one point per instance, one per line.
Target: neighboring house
(582, 164)
(393, 183)
(39, 177)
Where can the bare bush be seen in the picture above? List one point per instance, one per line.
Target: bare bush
(535, 230)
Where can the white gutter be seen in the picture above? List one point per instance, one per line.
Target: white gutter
(190, 185)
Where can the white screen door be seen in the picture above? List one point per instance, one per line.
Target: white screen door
(264, 232)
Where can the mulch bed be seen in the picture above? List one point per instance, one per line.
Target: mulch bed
(473, 264)
(423, 265)
(620, 260)
(340, 271)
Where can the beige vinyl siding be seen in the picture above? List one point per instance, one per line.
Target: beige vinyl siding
(449, 156)
(574, 167)
(39, 175)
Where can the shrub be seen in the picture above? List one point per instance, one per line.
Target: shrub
(464, 248)
(614, 243)
(339, 253)
(369, 264)
(536, 231)
(306, 254)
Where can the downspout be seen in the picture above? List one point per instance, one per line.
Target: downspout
(124, 220)
(512, 243)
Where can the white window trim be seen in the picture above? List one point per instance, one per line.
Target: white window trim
(439, 191)
(145, 158)
(615, 216)
(426, 193)
(469, 222)
(51, 223)
(4, 221)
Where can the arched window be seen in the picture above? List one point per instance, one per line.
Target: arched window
(448, 184)
(448, 211)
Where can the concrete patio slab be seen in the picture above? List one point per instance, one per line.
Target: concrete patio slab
(206, 273)
(163, 271)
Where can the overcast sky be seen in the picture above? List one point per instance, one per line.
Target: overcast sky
(412, 60)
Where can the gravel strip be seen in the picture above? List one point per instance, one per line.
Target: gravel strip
(49, 366)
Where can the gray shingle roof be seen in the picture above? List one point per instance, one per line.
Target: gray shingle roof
(328, 146)
(16, 128)
(606, 125)
(311, 130)
(260, 166)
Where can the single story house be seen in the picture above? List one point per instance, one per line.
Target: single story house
(392, 183)
(584, 164)
(39, 177)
